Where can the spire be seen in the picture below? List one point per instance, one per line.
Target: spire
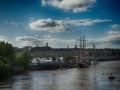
(36, 45)
(68, 46)
(75, 45)
(46, 44)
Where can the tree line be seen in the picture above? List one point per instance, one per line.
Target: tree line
(9, 60)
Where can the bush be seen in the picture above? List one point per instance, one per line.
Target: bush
(6, 59)
(23, 59)
(4, 70)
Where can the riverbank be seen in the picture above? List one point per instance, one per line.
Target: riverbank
(46, 66)
(58, 65)
(70, 79)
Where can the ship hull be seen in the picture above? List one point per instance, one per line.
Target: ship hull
(83, 65)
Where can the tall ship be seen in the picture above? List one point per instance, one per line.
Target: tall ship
(83, 61)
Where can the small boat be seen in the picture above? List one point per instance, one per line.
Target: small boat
(83, 65)
(111, 77)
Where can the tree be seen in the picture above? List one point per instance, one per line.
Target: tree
(7, 56)
(23, 59)
(7, 51)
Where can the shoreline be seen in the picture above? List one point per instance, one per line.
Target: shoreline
(108, 60)
(60, 68)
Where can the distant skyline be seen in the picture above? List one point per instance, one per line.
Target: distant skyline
(60, 22)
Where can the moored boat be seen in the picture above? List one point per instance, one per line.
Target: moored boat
(84, 61)
(83, 65)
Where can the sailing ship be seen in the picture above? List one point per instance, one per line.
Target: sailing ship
(83, 60)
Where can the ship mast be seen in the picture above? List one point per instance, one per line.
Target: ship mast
(80, 49)
(82, 41)
(84, 46)
(94, 51)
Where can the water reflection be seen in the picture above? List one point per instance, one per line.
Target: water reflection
(93, 78)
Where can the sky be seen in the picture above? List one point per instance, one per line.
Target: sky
(60, 22)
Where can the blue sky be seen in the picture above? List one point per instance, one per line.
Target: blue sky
(60, 22)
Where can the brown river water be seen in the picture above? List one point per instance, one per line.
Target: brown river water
(93, 78)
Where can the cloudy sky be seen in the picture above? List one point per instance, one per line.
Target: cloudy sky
(60, 22)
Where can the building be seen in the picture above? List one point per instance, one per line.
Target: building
(47, 51)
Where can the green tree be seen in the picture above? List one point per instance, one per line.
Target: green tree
(7, 57)
(7, 51)
(5, 68)
(23, 59)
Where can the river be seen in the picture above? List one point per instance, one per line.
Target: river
(92, 78)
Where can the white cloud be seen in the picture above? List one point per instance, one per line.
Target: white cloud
(37, 35)
(112, 38)
(74, 5)
(49, 25)
(47, 36)
(28, 41)
(85, 22)
(33, 41)
(115, 26)
(3, 38)
(43, 2)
